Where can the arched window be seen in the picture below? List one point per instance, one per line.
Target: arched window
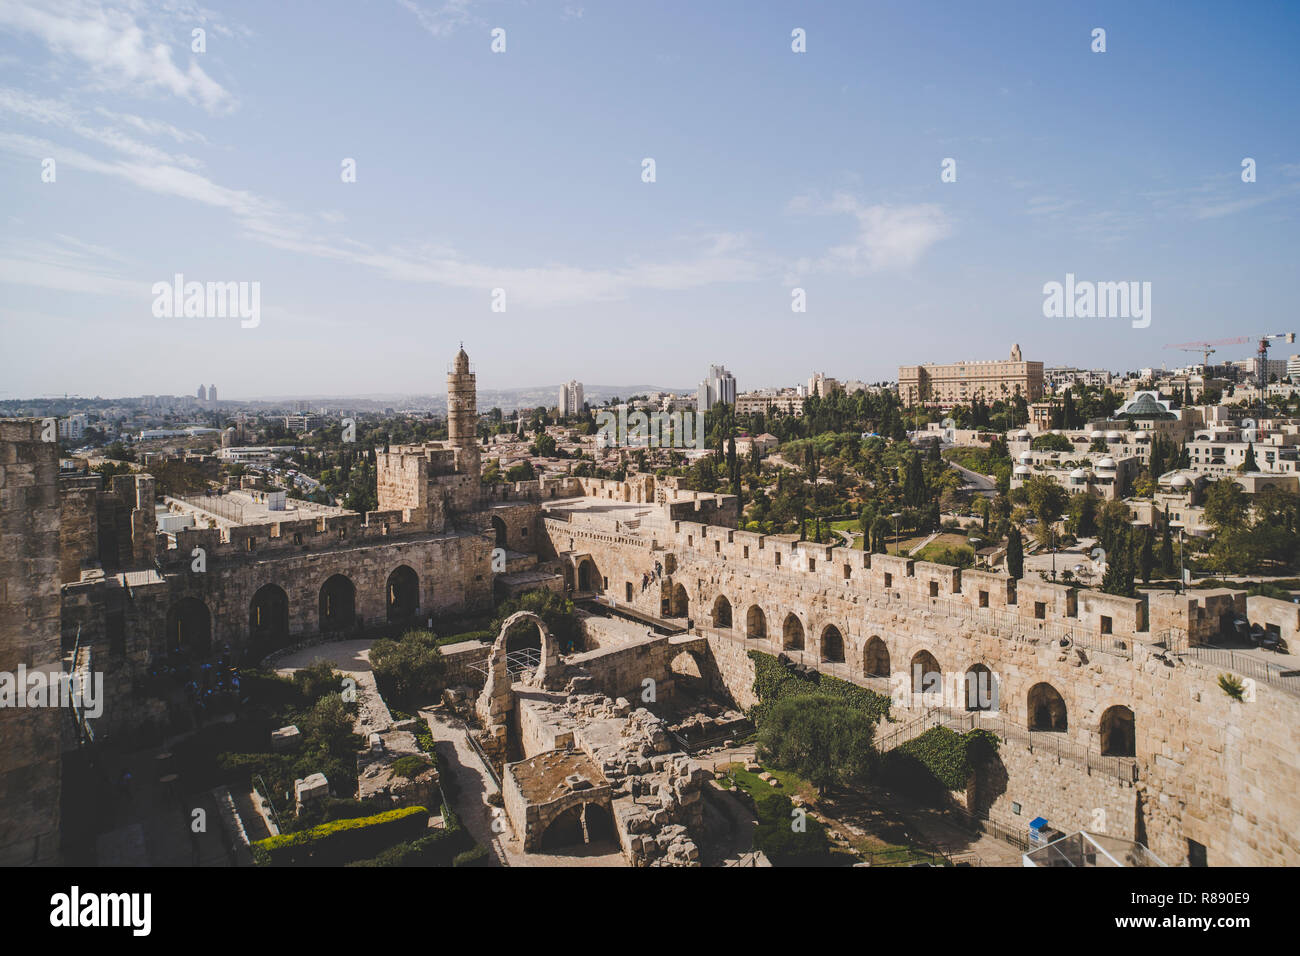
(1047, 709)
(875, 658)
(1118, 732)
(832, 645)
(792, 634)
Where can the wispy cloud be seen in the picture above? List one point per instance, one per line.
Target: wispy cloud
(887, 237)
(442, 19)
(119, 45)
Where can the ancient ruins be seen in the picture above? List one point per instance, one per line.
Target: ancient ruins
(1139, 728)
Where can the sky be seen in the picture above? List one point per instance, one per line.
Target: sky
(524, 171)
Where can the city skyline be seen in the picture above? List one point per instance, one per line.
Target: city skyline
(775, 170)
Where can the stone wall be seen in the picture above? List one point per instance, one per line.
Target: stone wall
(31, 740)
(1222, 774)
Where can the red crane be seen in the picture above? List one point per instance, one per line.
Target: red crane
(1261, 350)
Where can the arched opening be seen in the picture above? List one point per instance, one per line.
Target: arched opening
(338, 604)
(1046, 709)
(189, 628)
(875, 658)
(722, 612)
(524, 635)
(581, 825)
(756, 623)
(927, 678)
(589, 577)
(499, 529)
(687, 674)
(981, 689)
(1118, 732)
(268, 617)
(403, 594)
(832, 645)
(792, 633)
(679, 603)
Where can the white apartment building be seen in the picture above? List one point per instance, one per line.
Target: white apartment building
(571, 398)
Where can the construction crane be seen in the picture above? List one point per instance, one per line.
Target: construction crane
(1205, 351)
(1261, 349)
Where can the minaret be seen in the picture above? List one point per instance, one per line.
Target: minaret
(462, 410)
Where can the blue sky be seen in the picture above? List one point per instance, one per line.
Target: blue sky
(522, 170)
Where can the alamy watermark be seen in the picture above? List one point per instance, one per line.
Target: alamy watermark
(53, 688)
(1098, 300)
(652, 430)
(179, 299)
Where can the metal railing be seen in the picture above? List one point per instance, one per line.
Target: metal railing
(1271, 674)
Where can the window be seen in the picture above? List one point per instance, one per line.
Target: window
(1105, 624)
(746, 551)
(778, 559)
(1196, 854)
(717, 547)
(1040, 610)
(628, 585)
(848, 571)
(934, 589)
(889, 580)
(812, 564)
(984, 599)
(297, 537)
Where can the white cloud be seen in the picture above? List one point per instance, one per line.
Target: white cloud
(442, 20)
(117, 51)
(887, 238)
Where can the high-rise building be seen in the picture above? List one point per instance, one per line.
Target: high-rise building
(1293, 368)
(212, 394)
(961, 382)
(201, 394)
(719, 386)
(821, 385)
(571, 398)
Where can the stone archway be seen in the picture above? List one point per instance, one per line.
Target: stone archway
(1118, 732)
(674, 601)
(981, 689)
(792, 633)
(497, 698)
(338, 604)
(832, 645)
(588, 577)
(1046, 709)
(268, 618)
(875, 658)
(756, 623)
(722, 612)
(189, 627)
(499, 532)
(402, 595)
(927, 676)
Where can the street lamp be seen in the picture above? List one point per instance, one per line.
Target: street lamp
(896, 515)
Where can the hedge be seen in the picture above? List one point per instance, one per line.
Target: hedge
(774, 680)
(340, 841)
(938, 760)
(475, 857)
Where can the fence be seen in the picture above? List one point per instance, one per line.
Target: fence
(1243, 664)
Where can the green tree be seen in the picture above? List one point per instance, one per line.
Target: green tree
(1226, 506)
(1015, 554)
(411, 669)
(819, 737)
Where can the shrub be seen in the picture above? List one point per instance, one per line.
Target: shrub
(341, 841)
(409, 671)
(774, 681)
(938, 761)
(410, 766)
(478, 856)
(318, 680)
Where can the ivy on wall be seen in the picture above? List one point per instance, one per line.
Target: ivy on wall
(774, 680)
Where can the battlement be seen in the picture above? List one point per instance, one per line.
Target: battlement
(536, 490)
(278, 538)
(917, 583)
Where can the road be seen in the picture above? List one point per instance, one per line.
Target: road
(982, 484)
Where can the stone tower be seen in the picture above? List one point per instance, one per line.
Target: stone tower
(462, 412)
